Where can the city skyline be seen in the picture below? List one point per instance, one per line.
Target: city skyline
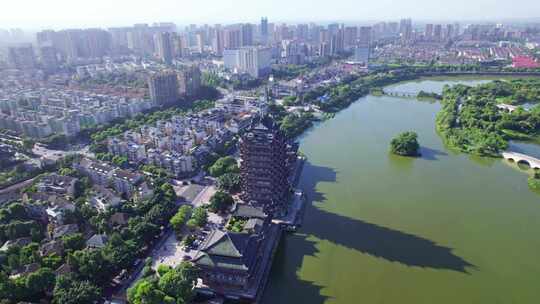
(62, 13)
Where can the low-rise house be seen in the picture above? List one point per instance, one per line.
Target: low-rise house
(57, 211)
(64, 269)
(119, 219)
(20, 242)
(99, 173)
(104, 198)
(97, 241)
(25, 270)
(58, 184)
(37, 213)
(52, 247)
(64, 230)
(143, 191)
(126, 182)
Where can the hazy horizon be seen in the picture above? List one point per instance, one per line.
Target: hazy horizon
(31, 14)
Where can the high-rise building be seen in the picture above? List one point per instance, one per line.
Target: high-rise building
(449, 32)
(178, 45)
(164, 48)
(364, 38)
(336, 43)
(429, 32)
(21, 57)
(217, 43)
(302, 32)
(437, 33)
(333, 29)
(266, 161)
(254, 61)
(119, 41)
(350, 36)
(247, 34)
(361, 54)
(200, 42)
(405, 30)
(265, 34)
(48, 59)
(189, 81)
(163, 88)
(233, 38)
(315, 34)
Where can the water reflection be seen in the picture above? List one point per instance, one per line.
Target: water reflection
(401, 163)
(483, 161)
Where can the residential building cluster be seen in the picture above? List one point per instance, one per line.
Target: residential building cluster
(43, 111)
(182, 143)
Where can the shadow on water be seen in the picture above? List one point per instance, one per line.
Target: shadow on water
(431, 154)
(381, 242)
(285, 285)
(386, 243)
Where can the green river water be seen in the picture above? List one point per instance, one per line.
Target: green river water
(443, 228)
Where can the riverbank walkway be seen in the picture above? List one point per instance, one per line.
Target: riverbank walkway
(533, 162)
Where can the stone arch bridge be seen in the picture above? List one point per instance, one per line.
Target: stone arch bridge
(533, 162)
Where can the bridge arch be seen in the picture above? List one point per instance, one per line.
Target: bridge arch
(525, 162)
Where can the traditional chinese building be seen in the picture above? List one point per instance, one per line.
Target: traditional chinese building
(266, 162)
(235, 265)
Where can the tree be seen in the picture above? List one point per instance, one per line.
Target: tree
(221, 201)
(91, 265)
(181, 217)
(120, 161)
(178, 283)
(199, 218)
(41, 281)
(142, 230)
(163, 269)
(224, 165)
(534, 181)
(6, 287)
(28, 144)
(73, 242)
(52, 261)
(168, 192)
(229, 182)
(146, 292)
(157, 215)
(69, 290)
(405, 144)
(67, 172)
(120, 253)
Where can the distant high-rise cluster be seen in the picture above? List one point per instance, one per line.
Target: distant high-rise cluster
(440, 33)
(21, 57)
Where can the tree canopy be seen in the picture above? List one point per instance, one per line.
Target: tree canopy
(405, 144)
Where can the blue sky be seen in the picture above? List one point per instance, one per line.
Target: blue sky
(79, 13)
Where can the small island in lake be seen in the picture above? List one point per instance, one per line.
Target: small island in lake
(406, 144)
